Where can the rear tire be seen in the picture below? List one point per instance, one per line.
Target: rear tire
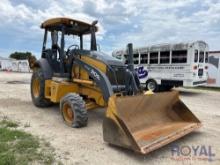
(37, 89)
(152, 85)
(73, 110)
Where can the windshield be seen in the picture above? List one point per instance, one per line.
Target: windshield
(196, 54)
(206, 57)
(201, 56)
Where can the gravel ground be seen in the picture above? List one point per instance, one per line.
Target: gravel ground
(86, 146)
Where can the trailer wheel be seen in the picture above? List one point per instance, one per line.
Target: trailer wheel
(37, 89)
(152, 85)
(73, 110)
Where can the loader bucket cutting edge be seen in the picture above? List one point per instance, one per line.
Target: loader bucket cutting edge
(144, 123)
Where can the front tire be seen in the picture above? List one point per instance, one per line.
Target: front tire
(151, 85)
(73, 110)
(37, 89)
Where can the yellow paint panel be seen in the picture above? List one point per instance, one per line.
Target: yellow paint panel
(94, 62)
(81, 73)
(56, 90)
(92, 93)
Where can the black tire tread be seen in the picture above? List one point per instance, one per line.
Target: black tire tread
(41, 101)
(157, 87)
(78, 106)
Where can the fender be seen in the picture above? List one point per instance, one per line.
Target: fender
(45, 66)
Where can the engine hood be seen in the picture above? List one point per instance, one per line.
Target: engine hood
(106, 58)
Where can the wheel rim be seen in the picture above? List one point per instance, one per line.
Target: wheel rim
(36, 87)
(151, 86)
(68, 113)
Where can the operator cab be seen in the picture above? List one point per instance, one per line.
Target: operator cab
(59, 29)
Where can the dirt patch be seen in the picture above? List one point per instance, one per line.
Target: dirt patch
(9, 102)
(86, 145)
(18, 82)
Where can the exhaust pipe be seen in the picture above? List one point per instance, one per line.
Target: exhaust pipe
(130, 57)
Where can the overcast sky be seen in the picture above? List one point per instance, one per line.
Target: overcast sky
(142, 22)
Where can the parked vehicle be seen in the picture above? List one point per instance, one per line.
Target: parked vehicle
(162, 67)
(82, 79)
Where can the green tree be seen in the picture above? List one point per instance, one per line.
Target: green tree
(21, 55)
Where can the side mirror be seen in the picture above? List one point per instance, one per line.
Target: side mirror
(94, 22)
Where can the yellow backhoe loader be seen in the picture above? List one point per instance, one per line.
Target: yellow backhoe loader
(80, 79)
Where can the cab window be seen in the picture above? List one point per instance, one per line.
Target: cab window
(144, 58)
(136, 58)
(179, 56)
(154, 58)
(206, 57)
(165, 57)
(196, 55)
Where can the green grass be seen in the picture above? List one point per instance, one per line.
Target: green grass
(8, 123)
(7, 135)
(20, 148)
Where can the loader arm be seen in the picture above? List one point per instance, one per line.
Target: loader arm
(131, 85)
(99, 77)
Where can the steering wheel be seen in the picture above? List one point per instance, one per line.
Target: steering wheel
(75, 47)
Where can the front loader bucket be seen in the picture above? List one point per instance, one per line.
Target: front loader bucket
(144, 123)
